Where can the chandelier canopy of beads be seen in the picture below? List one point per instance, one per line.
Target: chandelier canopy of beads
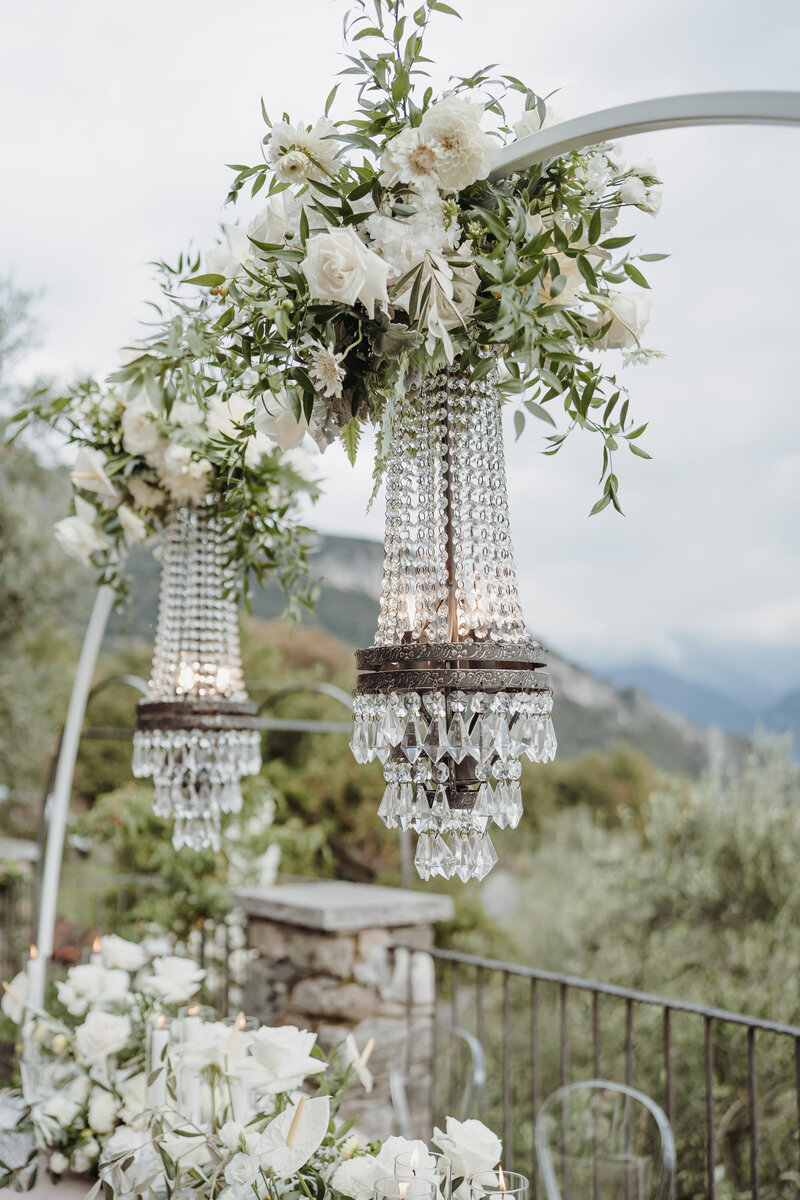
(196, 733)
(454, 691)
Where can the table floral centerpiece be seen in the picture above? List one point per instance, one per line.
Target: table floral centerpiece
(145, 1098)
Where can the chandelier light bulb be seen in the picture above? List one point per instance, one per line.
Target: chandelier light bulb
(454, 692)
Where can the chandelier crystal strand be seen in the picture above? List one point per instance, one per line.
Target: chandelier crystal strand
(195, 730)
(453, 693)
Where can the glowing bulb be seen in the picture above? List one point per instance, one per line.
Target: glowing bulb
(185, 679)
(223, 679)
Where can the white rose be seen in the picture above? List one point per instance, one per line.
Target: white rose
(58, 1163)
(531, 122)
(339, 268)
(568, 267)
(242, 1170)
(272, 222)
(463, 151)
(175, 980)
(89, 473)
(185, 413)
(103, 1111)
(61, 1109)
(140, 433)
(13, 1001)
(356, 1177)
(101, 1035)
(275, 419)
(145, 495)
(132, 524)
(633, 191)
(231, 1135)
(469, 1145)
(394, 1146)
(116, 952)
(90, 984)
(284, 1057)
(78, 536)
(630, 313)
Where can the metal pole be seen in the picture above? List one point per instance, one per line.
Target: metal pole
(668, 112)
(62, 789)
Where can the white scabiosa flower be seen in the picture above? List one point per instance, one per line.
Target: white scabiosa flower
(463, 151)
(299, 152)
(325, 369)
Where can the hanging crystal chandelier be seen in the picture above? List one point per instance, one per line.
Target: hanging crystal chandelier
(196, 733)
(452, 694)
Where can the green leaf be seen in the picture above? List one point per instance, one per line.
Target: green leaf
(585, 268)
(652, 257)
(519, 422)
(206, 280)
(351, 435)
(635, 274)
(615, 242)
(538, 411)
(602, 503)
(637, 432)
(638, 451)
(595, 226)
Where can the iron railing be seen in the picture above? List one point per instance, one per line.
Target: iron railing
(729, 1083)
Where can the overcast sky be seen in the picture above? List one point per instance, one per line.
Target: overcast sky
(116, 121)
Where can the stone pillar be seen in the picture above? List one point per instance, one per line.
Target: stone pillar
(343, 958)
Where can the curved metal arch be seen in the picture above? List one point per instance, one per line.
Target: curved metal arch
(645, 116)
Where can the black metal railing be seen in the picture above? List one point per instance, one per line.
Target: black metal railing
(729, 1083)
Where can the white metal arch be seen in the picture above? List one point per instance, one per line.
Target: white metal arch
(646, 116)
(671, 112)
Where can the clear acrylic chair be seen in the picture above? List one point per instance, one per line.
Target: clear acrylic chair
(439, 1070)
(598, 1140)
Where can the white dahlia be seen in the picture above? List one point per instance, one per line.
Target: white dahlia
(463, 151)
(410, 158)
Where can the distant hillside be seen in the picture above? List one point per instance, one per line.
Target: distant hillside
(590, 713)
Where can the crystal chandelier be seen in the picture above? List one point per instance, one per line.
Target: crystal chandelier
(196, 733)
(452, 693)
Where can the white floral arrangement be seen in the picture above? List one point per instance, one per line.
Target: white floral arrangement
(83, 1065)
(213, 1108)
(385, 250)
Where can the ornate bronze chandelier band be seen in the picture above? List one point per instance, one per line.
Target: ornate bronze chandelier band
(204, 716)
(526, 655)
(445, 679)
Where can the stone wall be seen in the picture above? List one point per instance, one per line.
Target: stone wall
(343, 958)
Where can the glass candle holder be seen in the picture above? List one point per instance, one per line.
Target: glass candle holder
(404, 1189)
(499, 1185)
(195, 1101)
(238, 1100)
(158, 1035)
(430, 1167)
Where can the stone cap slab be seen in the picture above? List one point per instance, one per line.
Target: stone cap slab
(335, 906)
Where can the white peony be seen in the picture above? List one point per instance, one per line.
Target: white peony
(410, 158)
(283, 1058)
(145, 495)
(139, 424)
(356, 1177)
(117, 953)
(92, 985)
(78, 536)
(463, 151)
(275, 419)
(340, 269)
(299, 153)
(103, 1110)
(531, 122)
(14, 995)
(173, 979)
(61, 1109)
(89, 473)
(101, 1035)
(132, 524)
(469, 1145)
(629, 313)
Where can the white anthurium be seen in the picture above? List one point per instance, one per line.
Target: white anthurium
(78, 536)
(89, 473)
(14, 996)
(228, 259)
(291, 1138)
(358, 1060)
(275, 419)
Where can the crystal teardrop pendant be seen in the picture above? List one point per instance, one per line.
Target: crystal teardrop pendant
(196, 732)
(460, 686)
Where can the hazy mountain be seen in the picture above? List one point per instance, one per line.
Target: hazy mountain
(705, 705)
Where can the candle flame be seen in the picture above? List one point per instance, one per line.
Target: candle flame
(238, 1026)
(97, 944)
(295, 1125)
(193, 1011)
(502, 1179)
(34, 951)
(414, 1159)
(161, 1021)
(402, 1188)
